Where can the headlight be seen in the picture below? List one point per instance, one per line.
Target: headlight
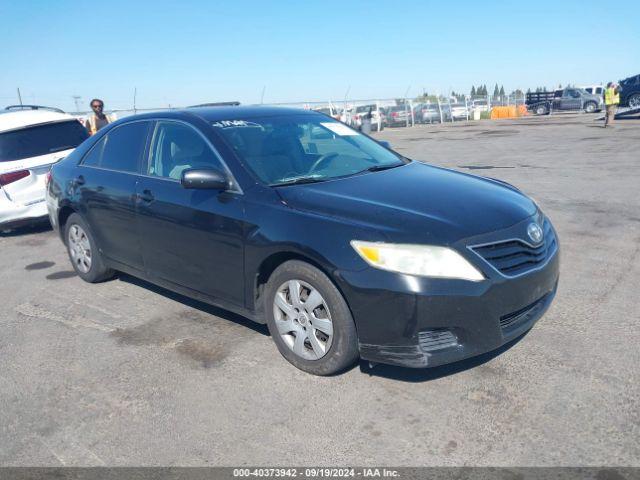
(424, 260)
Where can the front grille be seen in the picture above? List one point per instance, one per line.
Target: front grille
(436, 339)
(515, 319)
(515, 257)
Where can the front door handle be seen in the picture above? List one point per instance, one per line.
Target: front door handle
(146, 196)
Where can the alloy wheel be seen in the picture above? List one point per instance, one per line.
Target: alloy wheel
(634, 101)
(79, 248)
(303, 319)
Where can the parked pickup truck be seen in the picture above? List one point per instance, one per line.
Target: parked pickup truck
(542, 103)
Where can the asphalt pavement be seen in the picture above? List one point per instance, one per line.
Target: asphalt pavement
(126, 373)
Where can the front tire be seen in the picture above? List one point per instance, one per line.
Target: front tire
(541, 110)
(309, 320)
(83, 251)
(590, 107)
(634, 100)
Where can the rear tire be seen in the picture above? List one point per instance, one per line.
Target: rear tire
(309, 320)
(83, 251)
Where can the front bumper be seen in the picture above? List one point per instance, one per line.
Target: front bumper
(424, 322)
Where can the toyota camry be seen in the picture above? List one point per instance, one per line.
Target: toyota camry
(343, 247)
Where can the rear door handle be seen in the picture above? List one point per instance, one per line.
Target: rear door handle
(146, 196)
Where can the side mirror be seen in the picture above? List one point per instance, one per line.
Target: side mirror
(385, 144)
(205, 179)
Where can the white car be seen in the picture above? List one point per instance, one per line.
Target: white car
(31, 140)
(357, 113)
(459, 111)
(594, 89)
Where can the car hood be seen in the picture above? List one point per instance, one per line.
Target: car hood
(415, 203)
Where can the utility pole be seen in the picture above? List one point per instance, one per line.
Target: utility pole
(264, 87)
(406, 104)
(135, 92)
(76, 100)
(19, 96)
(346, 117)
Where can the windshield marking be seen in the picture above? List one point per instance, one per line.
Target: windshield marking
(235, 123)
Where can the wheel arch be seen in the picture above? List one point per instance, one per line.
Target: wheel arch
(63, 215)
(273, 261)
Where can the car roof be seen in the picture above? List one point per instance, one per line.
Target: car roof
(11, 120)
(213, 114)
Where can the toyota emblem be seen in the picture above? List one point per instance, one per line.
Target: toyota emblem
(535, 232)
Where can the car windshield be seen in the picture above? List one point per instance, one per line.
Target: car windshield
(41, 140)
(302, 148)
(365, 108)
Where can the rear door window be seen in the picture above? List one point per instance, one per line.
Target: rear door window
(41, 140)
(121, 149)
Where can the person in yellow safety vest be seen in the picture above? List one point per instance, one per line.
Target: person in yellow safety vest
(96, 120)
(611, 102)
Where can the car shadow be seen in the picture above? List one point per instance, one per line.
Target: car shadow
(415, 375)
(196, 304)
(386, 371)
(30, 229)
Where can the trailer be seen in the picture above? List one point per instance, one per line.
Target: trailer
(566, 99)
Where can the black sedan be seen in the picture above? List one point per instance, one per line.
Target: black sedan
(343, 247)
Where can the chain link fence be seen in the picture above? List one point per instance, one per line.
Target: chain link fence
(382, 113)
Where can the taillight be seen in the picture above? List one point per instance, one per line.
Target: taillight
(394, 114)
(7, 178)
(47, 178)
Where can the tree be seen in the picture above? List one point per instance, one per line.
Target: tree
(529, 90)
(496, 91)
(473, 91)
(502, 90)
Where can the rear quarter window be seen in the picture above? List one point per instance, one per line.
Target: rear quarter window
(120, 149)
(38, 140)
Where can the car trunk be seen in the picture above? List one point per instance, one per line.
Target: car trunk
(23, 181)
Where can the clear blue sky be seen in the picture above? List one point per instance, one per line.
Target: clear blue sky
(186, 52)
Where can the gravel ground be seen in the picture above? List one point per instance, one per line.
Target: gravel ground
(125, 373)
